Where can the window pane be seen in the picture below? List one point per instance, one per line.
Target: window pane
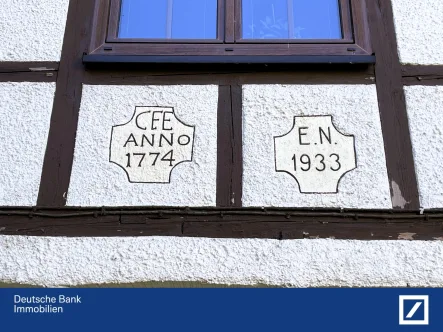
(291, 19)
(177, 19)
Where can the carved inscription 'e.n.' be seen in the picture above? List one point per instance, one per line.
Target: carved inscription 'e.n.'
(315, 154)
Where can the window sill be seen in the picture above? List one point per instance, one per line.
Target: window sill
(233, 59)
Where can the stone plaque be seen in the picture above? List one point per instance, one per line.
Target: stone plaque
(151, 144)
(315, 154)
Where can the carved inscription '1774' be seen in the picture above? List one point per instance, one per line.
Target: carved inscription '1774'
(315, 154)
(151, 144)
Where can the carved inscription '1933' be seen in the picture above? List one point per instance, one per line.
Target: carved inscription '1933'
(151, 144)
(315, 154)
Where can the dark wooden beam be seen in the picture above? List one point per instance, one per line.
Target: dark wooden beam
(422, 75)
(37, 66)
(28, 71)
(223, 223)
(230, 74)
(224, 146)
(392, 105)
(28, 77)
(63, 127)
(229, 147)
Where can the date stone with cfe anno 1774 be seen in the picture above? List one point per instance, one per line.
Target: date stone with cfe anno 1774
(151, 144)
(315, 154)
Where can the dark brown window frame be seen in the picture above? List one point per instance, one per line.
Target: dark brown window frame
(355, 47)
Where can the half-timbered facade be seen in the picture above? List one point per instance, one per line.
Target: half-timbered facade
(213, 144)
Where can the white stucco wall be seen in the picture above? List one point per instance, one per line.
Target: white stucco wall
(419, 28)
(425, 113)
(32, 30)
(300, 263)
(269, 111)
(97, 182)
(25, 110)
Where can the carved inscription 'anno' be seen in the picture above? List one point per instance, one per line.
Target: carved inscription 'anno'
(150, 145)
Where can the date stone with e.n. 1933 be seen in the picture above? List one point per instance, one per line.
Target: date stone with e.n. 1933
(315, 154)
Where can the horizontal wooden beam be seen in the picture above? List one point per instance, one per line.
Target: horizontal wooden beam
(422, 75)
(224, 223)
(231, 74)
(28, 77)
(36, 66)
(28, 71)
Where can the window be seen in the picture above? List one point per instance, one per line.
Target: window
(230, 31)
(168, 19)
(291, 19)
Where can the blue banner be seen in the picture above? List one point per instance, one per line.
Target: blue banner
(221, 310)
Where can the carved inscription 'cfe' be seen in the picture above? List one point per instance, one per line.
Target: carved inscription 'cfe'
(151, 144)
(315, 154)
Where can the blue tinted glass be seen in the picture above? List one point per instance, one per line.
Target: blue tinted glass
(177, 19)
(293, 19)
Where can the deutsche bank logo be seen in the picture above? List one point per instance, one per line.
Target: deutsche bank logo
(414, 309)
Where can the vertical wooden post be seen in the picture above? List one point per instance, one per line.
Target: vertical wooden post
(229, 147)
(59, 154)
(392, 105)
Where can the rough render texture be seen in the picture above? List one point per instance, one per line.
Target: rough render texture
(97, 182)
(25, 110)
(425, 112)
(300, 263)
(419, 28)
(269, 111)
(32, 30)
